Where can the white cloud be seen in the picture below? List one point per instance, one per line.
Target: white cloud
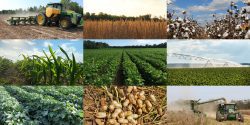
(149, 42)
(47, 43)
(213, 6)
(231, 50)
(127, 7)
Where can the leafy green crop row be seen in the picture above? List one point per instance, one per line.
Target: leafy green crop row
(44, 109)
(11, 111)
(209, 76)
(152, 75)
(132, 75)
(104, 66)
(77, 101)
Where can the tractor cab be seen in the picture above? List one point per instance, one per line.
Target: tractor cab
(55, 5)
(227, 108)
(228, 111)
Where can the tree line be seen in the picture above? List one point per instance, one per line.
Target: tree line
(68, 4)
(242, 104)
(88, 44)
(105, 16)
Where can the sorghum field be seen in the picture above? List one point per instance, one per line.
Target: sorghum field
(122, 29)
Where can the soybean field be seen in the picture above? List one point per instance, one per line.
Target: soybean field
(125, 66)
(209, 76)
(40, 105)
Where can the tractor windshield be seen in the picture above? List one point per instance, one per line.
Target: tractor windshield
(230, 108)
(57, 6)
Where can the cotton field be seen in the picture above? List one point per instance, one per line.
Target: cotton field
(234, 24)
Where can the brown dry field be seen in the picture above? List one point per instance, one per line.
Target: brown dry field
(125, 29)
(36, 32)
(188, 118)
(92, 98)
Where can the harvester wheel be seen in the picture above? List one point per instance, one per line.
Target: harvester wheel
(65, 23)
(41, 19)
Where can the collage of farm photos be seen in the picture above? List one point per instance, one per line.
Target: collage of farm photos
(125, 62)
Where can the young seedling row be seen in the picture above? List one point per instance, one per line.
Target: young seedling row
(37, 105)
(125, 66)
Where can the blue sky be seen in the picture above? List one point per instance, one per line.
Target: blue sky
(127, 7)
(204, 93)
(124, 42)
(12, 49)
(230, 50)
(202, 10)
(16, 4)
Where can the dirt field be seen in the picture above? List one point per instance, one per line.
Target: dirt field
(188, 118)
(36, 32)
(93, 99)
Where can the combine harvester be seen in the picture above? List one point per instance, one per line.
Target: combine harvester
(225, 111)
(53, 15)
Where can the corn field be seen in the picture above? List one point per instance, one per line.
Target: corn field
(138, 29)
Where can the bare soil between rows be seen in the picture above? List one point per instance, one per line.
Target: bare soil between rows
(36, 32)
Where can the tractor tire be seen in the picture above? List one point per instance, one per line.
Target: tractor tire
(41, 19)
(65, 23)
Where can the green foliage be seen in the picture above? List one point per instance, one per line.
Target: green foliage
(51, 69)
(5, 64)
(46, 109)
(74, 6)
(209, 76)
(11, 111)
(101, 66)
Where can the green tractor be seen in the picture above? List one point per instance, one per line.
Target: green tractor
(225, 111)
(228, 111)
(55, 14)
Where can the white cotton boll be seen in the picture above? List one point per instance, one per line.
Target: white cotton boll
(225, 35)
(186, 35)
(217, 28)
(247, 36)
(219, 35)
(237, 27)
(193, 30)
(168, 29)
(174, 36)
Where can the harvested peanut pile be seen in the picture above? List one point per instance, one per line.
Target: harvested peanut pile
(124, 105)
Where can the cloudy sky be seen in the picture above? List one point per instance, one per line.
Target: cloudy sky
(204, 93)
(16, 4)
(202, 10)
(12, 49)
(127, 7)
(230, 50)
(130, 42)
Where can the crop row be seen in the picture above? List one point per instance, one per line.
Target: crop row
(11, 111)
(209, 76)
(77, 101)
(132, 75)
(149, 73)
(104, 66)
(45, 109)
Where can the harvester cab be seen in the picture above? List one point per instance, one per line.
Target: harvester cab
(228, 111)
(225, 111)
